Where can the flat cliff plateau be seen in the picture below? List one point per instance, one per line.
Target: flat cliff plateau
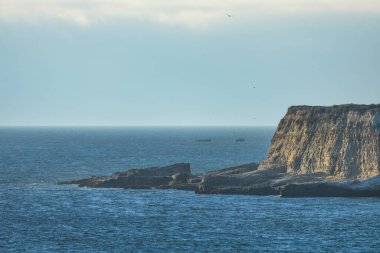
(316, 151)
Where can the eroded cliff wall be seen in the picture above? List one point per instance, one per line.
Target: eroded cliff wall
(342, 141)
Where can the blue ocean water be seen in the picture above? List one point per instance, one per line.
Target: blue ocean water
(37, 215)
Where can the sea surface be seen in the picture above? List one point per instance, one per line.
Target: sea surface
(37, 215)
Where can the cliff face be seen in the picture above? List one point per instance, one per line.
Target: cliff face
(342, 141)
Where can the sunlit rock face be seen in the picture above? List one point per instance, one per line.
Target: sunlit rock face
(342, 141)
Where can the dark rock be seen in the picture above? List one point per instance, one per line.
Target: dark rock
(326, 190)
(165, 171)
(128, 182)
(356, 188)
(135, 178)
(247, 190)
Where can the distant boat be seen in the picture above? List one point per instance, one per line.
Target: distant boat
(204, 140)
(240, 140)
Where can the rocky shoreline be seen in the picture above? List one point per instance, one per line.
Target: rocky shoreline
(243, 180)
(316, 152)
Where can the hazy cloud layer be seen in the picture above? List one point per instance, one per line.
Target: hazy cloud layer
(190, 13)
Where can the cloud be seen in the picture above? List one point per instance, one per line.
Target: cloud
(189, 13)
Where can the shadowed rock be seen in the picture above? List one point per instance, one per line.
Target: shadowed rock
(327, 190)
(135, 178)
(256, 189)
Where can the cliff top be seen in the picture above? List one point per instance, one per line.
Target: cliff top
(344, 107)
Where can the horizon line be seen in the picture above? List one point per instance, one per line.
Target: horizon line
(131, 126)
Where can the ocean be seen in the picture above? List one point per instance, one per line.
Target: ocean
(37, 215)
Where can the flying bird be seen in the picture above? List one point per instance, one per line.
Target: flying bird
(229, 15)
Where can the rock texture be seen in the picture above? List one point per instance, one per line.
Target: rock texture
(342, 141)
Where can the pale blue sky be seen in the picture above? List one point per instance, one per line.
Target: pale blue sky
(156, 62)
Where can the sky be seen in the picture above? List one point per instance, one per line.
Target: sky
(183, 62)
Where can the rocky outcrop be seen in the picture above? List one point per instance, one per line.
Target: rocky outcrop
(315, 152)
(136, 178)
(176, 176)
(342, 141)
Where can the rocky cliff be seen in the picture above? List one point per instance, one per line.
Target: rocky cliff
(342, 141)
